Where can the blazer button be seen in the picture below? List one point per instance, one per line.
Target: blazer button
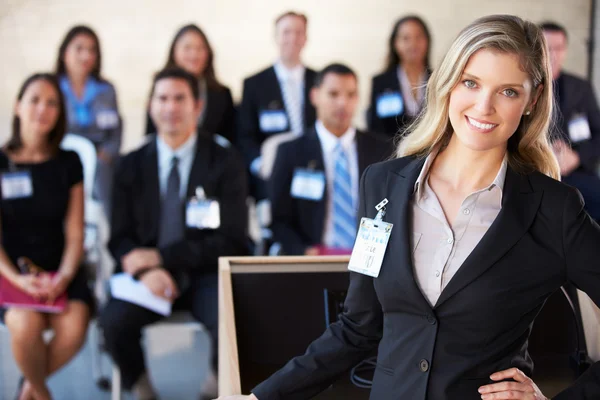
(424, 365)
(431, 319)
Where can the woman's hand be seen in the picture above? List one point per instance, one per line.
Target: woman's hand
(522, 388)
(32, 284)
(57, 286)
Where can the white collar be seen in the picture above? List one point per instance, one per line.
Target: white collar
(284, 73)
(329, 141)
(185, 150)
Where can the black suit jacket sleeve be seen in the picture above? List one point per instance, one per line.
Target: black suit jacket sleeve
(589, 152)
(122, 237)
(581, 236)
(247, 126)
(343, 345)
(284, 215)
(204, 248)
(227, 126)
(374, 123)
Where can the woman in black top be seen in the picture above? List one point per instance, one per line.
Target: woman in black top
(398, 94)
(43, 221)
(191, 51)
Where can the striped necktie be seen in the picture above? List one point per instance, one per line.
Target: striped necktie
(343, 213)
(293, 103)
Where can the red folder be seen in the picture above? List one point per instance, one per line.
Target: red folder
(333, 251)
(12, 296)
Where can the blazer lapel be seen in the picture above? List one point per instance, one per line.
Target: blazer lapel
(152, 188)
(273, 88)
(400, 187)
(314, 159)
(200, 168)
(519, 207)
(364, 150)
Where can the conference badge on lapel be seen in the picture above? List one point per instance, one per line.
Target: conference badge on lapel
(371, 242)
(202, 213)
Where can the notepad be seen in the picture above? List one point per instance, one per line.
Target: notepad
(124, 287)
(12, 296)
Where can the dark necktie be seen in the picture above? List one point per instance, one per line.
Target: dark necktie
(171, 210)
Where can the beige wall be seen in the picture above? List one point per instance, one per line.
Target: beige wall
(135, 35)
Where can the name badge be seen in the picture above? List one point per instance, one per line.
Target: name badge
(16, 185)
(308, 184)
(579, 129)
(202, 213)
(371, 243)
(390, 104)
(107, 119)
(271, 121)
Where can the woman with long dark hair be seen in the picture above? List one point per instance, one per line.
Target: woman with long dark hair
(398, 94)
(192, 51)
(41, 214)
(91, 103)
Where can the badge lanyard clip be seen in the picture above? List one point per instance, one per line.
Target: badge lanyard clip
(381, 209)
(200, 195)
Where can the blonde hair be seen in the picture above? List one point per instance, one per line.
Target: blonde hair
(529, 147)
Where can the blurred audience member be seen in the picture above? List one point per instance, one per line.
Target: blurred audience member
(91, 103)
(398, 94)
(41, 210)
(578, 120)
(314, 186)
(192, 51)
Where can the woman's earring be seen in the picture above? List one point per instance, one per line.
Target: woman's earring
(527, 112)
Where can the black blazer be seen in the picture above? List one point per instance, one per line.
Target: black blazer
(390, 126)
(219, 116)
(576, 96)
(541, 239)
(263, 92)
(298, 223)
(136, 207)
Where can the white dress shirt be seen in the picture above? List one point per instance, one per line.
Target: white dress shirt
(439, 249)
(291, 81)
(328, 144)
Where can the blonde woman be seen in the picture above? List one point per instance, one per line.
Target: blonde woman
(483, 233)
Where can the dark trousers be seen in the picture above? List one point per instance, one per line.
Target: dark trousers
(122, 324)
(588, 183)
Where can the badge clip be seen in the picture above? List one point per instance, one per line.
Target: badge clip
(200, 195)
(381, 209)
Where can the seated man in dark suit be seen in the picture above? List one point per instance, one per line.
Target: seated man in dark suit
(275, 100)
(314, 185)
(160, 233)
(578, 118)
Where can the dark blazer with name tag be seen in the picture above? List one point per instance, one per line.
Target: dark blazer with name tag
(386, 82)
(262, 92)
(299, 223)
(576, 97)
(136, 207)
(541, 239)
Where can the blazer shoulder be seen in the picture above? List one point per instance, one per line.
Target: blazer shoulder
(380, 170)
(128, 162)
(555, 192)
(261, 75)
(575, 81)
(311, 73)
(387, 77)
